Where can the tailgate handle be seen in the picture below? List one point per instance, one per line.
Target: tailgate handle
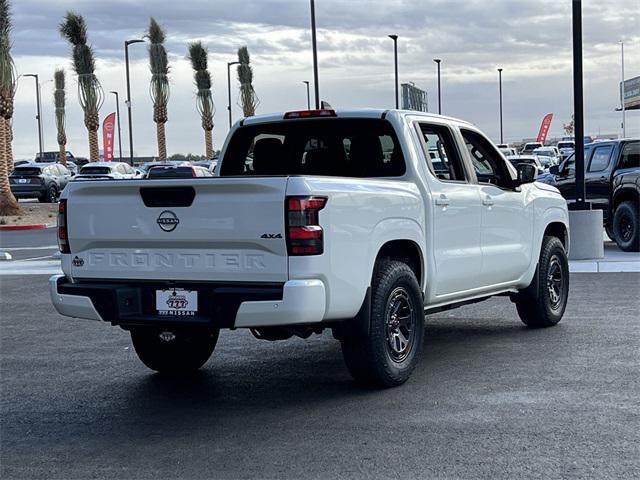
(168, 196)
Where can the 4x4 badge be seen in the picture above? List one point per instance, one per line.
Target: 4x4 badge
(271, 235)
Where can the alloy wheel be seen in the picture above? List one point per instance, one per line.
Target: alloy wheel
(400, 325)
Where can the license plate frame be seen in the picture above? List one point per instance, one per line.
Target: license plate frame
(176, 302)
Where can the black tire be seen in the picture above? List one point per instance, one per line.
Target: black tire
(543, 303)
(626, 226)
(50, 196)
(387, 356)
(186, 352)
(610, 233)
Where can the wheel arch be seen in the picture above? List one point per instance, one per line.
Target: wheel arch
(624, 195)
(406, 251)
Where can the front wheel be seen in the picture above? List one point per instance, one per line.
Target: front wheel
(174, 352)
(389, 353)
(542, 304)
(626, 226)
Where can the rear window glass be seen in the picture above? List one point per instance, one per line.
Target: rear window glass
(170, 172)
(95, 170)
(26, 171)
(330, 147)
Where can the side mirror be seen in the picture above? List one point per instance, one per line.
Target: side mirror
(554, 169)
(527, 173)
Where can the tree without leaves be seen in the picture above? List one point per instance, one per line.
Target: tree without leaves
(204, 100)
(248, 98)
(159, 87)
(74, 29)
(8, 202)
(59, 98)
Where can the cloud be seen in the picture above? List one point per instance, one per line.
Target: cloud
(530, 39)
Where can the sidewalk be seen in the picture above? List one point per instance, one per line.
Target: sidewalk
(615, 260)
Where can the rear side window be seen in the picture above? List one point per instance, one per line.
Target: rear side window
(330, 147)
(600, 159)
(630, 156)
(442, 155)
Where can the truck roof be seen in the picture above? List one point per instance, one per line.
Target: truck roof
(353, 113)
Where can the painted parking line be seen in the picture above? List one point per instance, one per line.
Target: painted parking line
(21, 249)
(32, 267)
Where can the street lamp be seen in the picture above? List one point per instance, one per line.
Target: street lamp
(308, 97)
(500, 83)
(314, 47)
(128, 102)
(395, 62)
(624, 123)
(437, 60)
(118, 117)
(229, 87)
(35, 76)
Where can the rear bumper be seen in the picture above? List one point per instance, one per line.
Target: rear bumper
(28, 191)
(222, 306)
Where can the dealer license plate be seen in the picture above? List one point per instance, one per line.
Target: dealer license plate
(177, 302)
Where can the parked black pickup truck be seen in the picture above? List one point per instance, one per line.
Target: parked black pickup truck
(612, 180)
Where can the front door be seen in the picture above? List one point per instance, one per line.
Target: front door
(507, 217)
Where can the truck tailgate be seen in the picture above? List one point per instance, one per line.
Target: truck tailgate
(217, 229)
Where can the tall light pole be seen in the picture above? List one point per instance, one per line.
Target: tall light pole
(229, 88)
(128, 102)
(38, 116)
(437, 60)
(395, 63)
(500, 88)
(314, 47)
(118, 117)
(578, 105)
(624, 123)
(308, 95)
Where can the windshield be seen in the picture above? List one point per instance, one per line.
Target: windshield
(333, 147)
(95, 170)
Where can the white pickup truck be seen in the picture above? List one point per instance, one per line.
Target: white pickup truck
(360, 221)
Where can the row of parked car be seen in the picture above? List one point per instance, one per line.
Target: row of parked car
(612, 180)
(46, 180)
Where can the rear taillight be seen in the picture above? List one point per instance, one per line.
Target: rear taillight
(63, 238)
(304, 233)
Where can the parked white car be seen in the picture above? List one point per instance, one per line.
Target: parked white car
(548, 156)
(508, 151)
(106, 171)
(566, 148)
(360, 221)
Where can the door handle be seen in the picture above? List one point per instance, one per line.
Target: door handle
(442, 200)
(488, 201)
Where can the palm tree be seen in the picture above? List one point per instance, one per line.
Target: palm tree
(59, 101)
(248, 98)
(90, 93)
(204, 102)
(8, 203)
(159, 88)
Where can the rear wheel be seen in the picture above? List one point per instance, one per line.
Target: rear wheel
(387, 356)
(176, 352)
(50, 196)
(626, 226)
(543, 303)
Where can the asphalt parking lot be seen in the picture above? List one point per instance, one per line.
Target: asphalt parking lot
(490, 399)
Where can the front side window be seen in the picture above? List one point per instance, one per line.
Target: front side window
(331, 147)
(441, 154)
(630, 156)
(487, 163)
(600, 158)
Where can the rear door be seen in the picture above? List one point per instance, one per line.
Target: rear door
(455, 207)
(211, 229)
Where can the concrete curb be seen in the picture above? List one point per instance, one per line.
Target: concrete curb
(35, 226)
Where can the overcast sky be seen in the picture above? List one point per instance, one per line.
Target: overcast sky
(530, 39)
